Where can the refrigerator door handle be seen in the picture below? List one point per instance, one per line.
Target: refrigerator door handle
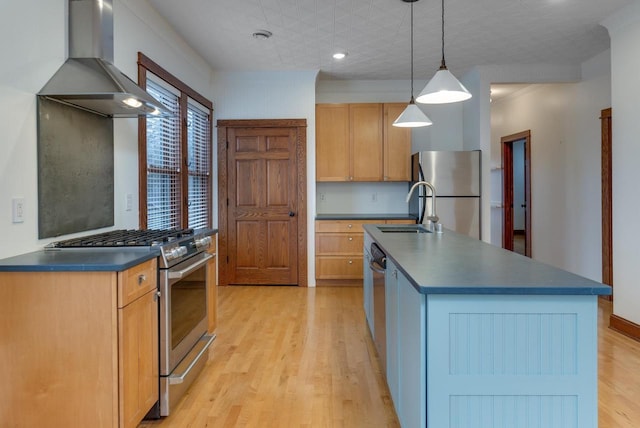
(422, 195)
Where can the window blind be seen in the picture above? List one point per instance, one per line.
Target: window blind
(163, 162)
(199, 164)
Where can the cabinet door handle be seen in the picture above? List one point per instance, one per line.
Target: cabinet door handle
(349, 226)
(141, 279)
(350, 262)
(350, 239)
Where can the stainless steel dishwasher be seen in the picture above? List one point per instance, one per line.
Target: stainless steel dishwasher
(378, 265)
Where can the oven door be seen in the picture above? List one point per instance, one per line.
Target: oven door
(183, 309)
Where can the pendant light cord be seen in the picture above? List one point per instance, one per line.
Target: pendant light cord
(412, 100)
(443, 66)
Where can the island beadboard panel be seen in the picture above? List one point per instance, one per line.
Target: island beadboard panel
(339, 246)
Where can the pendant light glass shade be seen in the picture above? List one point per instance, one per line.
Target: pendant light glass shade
(443, 87)
(412, 116)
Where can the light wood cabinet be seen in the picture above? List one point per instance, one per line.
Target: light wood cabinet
(365, 128)
(339, 256)
(333, 152)
(79, 348)
(212, 290)
(138, 358)
(357, 142)
(397, 145)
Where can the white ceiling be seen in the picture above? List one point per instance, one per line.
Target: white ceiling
(375, 33)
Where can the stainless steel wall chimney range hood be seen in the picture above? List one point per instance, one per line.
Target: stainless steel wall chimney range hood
(88, 79)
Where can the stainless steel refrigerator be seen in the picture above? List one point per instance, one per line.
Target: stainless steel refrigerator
(456, 178)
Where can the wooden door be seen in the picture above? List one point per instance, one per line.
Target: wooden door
(607, 201)
(262, 237)
(332, 142)
(397, 145)
(507, 190)
(366, 141)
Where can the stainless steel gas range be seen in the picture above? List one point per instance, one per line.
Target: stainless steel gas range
(182, 283)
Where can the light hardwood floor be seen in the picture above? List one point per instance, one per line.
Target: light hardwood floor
(618, 375)
(298, 357)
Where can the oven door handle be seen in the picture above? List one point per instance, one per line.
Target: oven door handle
(179, 274)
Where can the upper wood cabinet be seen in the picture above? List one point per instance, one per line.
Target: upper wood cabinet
(332, 142)
(397, 145)
(356, 142)
(365, 129)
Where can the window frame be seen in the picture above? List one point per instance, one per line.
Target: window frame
(145, 65)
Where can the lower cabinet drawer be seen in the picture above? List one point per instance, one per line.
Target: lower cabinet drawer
(339, 243)
(137, 281)
(335, 267)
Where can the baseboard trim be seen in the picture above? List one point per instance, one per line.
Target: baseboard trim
(625, 327)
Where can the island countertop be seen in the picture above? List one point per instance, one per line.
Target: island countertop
(450, 263)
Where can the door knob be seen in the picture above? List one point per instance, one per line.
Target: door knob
(292, 214)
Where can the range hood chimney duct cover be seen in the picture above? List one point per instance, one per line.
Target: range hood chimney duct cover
(88, 79)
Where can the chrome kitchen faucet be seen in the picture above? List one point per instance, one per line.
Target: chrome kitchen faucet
(434, 226)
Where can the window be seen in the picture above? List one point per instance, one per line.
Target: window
(175, 154)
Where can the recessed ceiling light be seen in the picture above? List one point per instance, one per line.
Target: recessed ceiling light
(339, 55)
(262, 34)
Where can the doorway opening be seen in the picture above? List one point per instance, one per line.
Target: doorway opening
(516, 192)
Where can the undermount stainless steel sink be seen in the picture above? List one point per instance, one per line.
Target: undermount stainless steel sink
(412, 228)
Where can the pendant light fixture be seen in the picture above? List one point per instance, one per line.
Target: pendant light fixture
(412, 116)
(443, 87)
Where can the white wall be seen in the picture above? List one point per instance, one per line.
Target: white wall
(477, 113)
(565, 165)
(361, 198)
(34, 46)
(274, 95)
(476, 136)
(624, 30)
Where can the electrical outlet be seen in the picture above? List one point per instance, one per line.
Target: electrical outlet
(128, 202)
(374, 197)
(18, 210)
(321, 197)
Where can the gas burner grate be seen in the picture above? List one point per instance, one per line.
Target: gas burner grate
(125, 238)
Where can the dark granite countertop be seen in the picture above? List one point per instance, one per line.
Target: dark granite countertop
(450, 263)
(70, 260)
(398, 216)
(113, 259)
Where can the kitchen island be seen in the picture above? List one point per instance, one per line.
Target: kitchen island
(477, 336)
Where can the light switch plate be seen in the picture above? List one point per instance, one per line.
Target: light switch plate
(17, 205)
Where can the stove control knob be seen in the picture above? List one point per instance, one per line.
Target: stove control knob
(176, 252)
(203, 242)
